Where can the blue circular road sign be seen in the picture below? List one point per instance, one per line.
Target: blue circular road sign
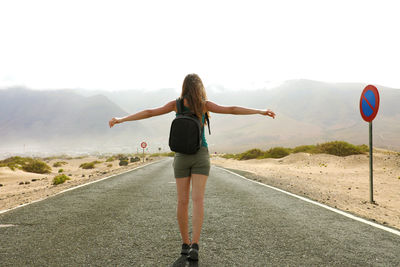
(369, 103)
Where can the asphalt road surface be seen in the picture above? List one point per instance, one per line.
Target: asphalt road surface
(130, 220)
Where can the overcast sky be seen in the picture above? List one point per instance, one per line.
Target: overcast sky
(117, 45)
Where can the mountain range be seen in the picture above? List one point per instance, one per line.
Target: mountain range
(308, 112)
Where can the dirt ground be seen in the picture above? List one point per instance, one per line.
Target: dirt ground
(19, 187)
(340, 182)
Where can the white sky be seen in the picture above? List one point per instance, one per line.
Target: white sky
(148, 44)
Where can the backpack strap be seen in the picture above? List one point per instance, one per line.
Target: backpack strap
(208, 123)
(179, 105)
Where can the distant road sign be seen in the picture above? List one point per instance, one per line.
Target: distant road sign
(369, 103)
(143, 145)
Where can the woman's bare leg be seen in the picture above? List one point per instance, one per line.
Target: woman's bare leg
(183, 189)
(198, 188)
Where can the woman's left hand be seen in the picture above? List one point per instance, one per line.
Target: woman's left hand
(269, 113)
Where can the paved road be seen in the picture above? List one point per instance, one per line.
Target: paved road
(129, 220)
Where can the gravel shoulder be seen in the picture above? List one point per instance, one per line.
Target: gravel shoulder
(339, 182)
(19, 187)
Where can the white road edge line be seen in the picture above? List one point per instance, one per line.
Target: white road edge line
(78, 186)
(351, 216)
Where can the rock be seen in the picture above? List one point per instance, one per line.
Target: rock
(83, 175)
(69, 174)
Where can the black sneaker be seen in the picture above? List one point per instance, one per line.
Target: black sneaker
(185, 249)
(194, 252)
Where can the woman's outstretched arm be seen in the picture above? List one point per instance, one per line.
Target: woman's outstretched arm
(211, 106)
(144, 114)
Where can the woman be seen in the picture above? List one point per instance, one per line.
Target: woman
(191, 168)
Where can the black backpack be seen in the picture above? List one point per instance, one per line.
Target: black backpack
(186, 131)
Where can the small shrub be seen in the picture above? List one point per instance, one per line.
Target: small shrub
(134, 159)
(363, 148)
(276, 153)
(229, 156)
(59, 164)
(37, 166)
(306, 149)
(338, 148)
(110, 159)
(109, 165)
(59, 179)
(121, 157)
(123, 162)
(14, 162)
(60, 170)
(250, 154)
(89, 165)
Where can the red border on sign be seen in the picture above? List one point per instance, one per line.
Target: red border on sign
(375, 110)
(143, 145)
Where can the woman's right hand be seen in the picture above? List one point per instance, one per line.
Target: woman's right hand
(112, 122)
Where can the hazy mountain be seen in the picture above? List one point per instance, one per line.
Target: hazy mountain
(60, 119)
(308, 112)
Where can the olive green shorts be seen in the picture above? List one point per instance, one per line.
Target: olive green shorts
(186, 165)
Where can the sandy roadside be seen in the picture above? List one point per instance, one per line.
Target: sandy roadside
(340, 182)
(19, 187)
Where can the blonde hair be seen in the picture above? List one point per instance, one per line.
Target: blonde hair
(195, 94)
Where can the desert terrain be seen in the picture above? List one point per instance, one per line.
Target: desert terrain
(340, 182)
(19, 187)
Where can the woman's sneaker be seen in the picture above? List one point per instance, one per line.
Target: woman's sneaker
(194, 252)
(185, 249)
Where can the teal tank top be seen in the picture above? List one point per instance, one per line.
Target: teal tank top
(203, 136)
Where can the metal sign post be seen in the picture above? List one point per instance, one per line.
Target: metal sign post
(371, 170)
(143, 145)
(369, 106)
